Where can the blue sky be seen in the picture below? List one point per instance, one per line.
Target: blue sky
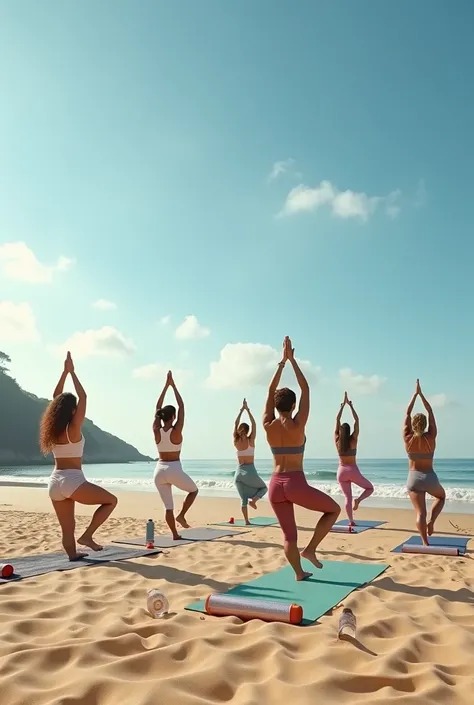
(264, 169)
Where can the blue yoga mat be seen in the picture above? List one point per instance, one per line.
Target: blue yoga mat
(316, 595)
(457, 541)
(367, 524)
(255, 521)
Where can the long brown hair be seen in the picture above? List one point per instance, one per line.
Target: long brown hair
(56, 417)
(344, 439)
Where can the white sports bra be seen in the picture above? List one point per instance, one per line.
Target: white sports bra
(246, 452)
(165, 445)
(69, 449)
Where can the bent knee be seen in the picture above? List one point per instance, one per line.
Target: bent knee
(113, 500)
(332, 507)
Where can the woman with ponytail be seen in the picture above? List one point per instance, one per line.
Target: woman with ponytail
(348, 473)
(420, 446)
(168, 432)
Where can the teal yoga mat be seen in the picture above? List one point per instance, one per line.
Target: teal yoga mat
(316, 595)
(255, 521)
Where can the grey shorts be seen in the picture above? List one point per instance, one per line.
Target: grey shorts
(424, 482)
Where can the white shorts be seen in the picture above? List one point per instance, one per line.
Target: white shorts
(167, 474)
(63, 483)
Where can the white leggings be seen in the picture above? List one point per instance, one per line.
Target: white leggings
(167, 474)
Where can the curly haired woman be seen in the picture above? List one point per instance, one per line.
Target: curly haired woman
(61, 435)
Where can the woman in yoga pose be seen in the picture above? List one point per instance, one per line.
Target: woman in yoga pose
(420, 446)
(249, 484)
(288, 486)
(348, 473)
(61, 435)
(168, 431)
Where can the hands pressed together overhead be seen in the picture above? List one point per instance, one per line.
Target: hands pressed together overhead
(68, 364)
(345, 401)
(288, 351)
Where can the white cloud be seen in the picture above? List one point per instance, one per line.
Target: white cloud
(104, 305)
(280, 168)
(17, 323)
(19, 262)
(442, 401)
(158, 371)
(243, 365)
(343, 204)
(191, 328)
(359, 383)
(103, 342)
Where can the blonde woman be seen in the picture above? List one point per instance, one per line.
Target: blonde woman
(248, 482)
(419, 435)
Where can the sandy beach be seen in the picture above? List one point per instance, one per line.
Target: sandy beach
(85, 637)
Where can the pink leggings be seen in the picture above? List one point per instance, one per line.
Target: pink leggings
(348, 475)
(289, 488)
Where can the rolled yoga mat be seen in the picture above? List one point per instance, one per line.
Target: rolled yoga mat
(436, 550)
(6, 570)
(459, 542)
(341, 529)
(222, 605)
(316, 595)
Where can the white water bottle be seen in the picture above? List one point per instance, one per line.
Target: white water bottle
(347, 624)
(156, 603)
(150, 532)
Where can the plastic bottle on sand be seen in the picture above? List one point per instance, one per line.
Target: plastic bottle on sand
(150, 533)
(347, 624)
(156, 603)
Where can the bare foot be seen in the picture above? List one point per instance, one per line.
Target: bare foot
(182, 521)
(90, 543)
(253, 503)
(311, 556)
(247, 523)
(356, 505)
(78, 556)
(303, 575)
(177, 537)
(430, 527)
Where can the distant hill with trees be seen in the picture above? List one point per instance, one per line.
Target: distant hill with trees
(20, 414)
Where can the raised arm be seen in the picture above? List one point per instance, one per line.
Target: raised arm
(79, 416)
(407, 429)
(179, 401)
(355, 432)
(432, 428)
(269, 411)
(253, 425)
(60, 385)
(338, 420)
(303, 407)
(161, 398)
(237, 421)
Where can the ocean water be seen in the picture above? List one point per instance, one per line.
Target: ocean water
(215, 478)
